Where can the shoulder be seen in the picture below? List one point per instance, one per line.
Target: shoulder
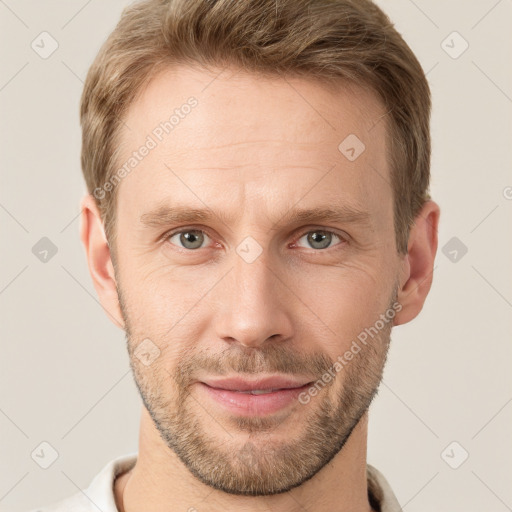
(75, 503)
(99, 495)
(380, 493)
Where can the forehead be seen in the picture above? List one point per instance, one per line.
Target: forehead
(271, 136)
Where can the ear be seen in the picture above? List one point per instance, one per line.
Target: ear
(417, 266)
(99, 260)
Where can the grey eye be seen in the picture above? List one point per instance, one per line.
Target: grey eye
(319, 239)
(190, 239)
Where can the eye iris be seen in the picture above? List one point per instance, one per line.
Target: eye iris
(322, 237)
(192, 239)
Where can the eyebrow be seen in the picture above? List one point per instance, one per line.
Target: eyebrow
(345, 214)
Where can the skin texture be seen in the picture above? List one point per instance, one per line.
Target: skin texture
(252, 150)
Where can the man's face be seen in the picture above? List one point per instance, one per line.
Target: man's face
(255, 291)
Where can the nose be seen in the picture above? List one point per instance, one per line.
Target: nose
(254, 304)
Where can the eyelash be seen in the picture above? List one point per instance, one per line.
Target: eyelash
(169, 234)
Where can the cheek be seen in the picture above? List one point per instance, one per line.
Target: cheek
(331, 304)
(341, 305)
(164, 304)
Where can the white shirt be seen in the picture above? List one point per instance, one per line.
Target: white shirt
(100, 493)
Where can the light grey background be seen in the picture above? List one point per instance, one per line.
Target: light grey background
(64, 372)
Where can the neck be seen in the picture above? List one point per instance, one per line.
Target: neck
(159, 482)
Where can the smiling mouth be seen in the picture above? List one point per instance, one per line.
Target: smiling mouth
(255, 398)
(259, 391)
(260, 385)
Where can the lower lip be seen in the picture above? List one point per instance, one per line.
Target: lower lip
(246, 404)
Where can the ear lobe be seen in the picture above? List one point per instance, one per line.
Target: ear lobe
(417, 268)
(99, 261)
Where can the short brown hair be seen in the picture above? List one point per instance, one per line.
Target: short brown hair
(333, 41)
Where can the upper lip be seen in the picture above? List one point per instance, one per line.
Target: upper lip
(260, 383)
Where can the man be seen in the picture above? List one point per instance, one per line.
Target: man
(258, 219)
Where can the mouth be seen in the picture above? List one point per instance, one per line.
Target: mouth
(261, 391)
(256, 397)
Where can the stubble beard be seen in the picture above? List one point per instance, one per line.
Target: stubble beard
(252, 459)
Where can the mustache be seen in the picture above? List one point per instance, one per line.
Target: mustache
(244, 360)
